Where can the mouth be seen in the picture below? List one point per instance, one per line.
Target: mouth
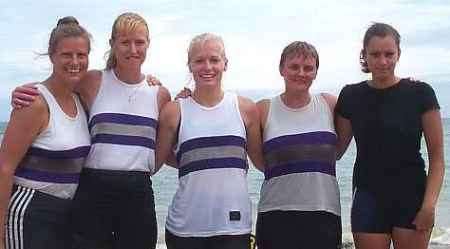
(133, 57)
(74, 70)
(207, 76)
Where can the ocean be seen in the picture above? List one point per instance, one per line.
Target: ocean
(166, 180)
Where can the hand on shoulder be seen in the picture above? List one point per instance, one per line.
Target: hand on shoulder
(163, 97)
(24, 95)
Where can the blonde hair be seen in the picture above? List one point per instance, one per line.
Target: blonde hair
(201, 40)
(126, 22)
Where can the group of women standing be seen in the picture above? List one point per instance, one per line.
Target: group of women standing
(133, 129)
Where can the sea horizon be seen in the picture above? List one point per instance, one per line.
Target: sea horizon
(165, 184)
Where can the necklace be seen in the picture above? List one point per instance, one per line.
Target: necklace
(133, 94)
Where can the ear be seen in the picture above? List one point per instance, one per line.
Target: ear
(362, 54)
(51, 59)
(280, 69)
(226, 65)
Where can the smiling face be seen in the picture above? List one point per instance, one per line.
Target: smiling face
(130, 47)
(298, 71)
(207, 62)
(381, 55)
(70, 59)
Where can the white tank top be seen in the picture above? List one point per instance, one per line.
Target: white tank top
(123, 121)
(54, 160)
(300, 155)
(212, 197)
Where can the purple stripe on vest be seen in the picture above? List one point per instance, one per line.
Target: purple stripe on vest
(300, 167)
(203, 142)
(215, 163)
(119, 118)
(42, 176)
(124, 140)
(78, 152)
(319, 137)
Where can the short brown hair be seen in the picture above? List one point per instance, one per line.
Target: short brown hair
(299, 48)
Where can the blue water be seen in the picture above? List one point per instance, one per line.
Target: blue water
(165, 184)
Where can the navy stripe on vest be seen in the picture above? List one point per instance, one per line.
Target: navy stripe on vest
(213, 163)
(301, 153)
(120, 118)
(309, 138)
(78, 152)
(43, 176)
(63, 166)
(212, 153)
(142, 137)
(300, 167)
(203, 142)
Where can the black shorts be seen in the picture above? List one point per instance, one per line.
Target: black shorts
(36, 220)
(298, 230)
(114, 209)
(380, 215)
(213, 242)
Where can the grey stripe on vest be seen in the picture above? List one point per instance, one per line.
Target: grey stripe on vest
(302, 192)
(52, 165)
(301, 152)
(54, 189)
(123, 129)
(213, 152)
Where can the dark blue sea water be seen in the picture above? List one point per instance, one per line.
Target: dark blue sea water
(165, 183)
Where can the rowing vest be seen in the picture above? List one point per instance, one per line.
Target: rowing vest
(54, 160)
(212, 197)
(300, 154)
(122, 124)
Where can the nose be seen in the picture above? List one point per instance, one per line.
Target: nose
(383, 60)
(75, 59)
(133, 48)
(301, 72)
(207, 64)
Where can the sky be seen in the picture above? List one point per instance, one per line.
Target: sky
(254, 31)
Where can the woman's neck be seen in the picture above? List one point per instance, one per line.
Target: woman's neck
(127, 75)
(208, 96)
(385, 82)
(295, 99)
(60, 89)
